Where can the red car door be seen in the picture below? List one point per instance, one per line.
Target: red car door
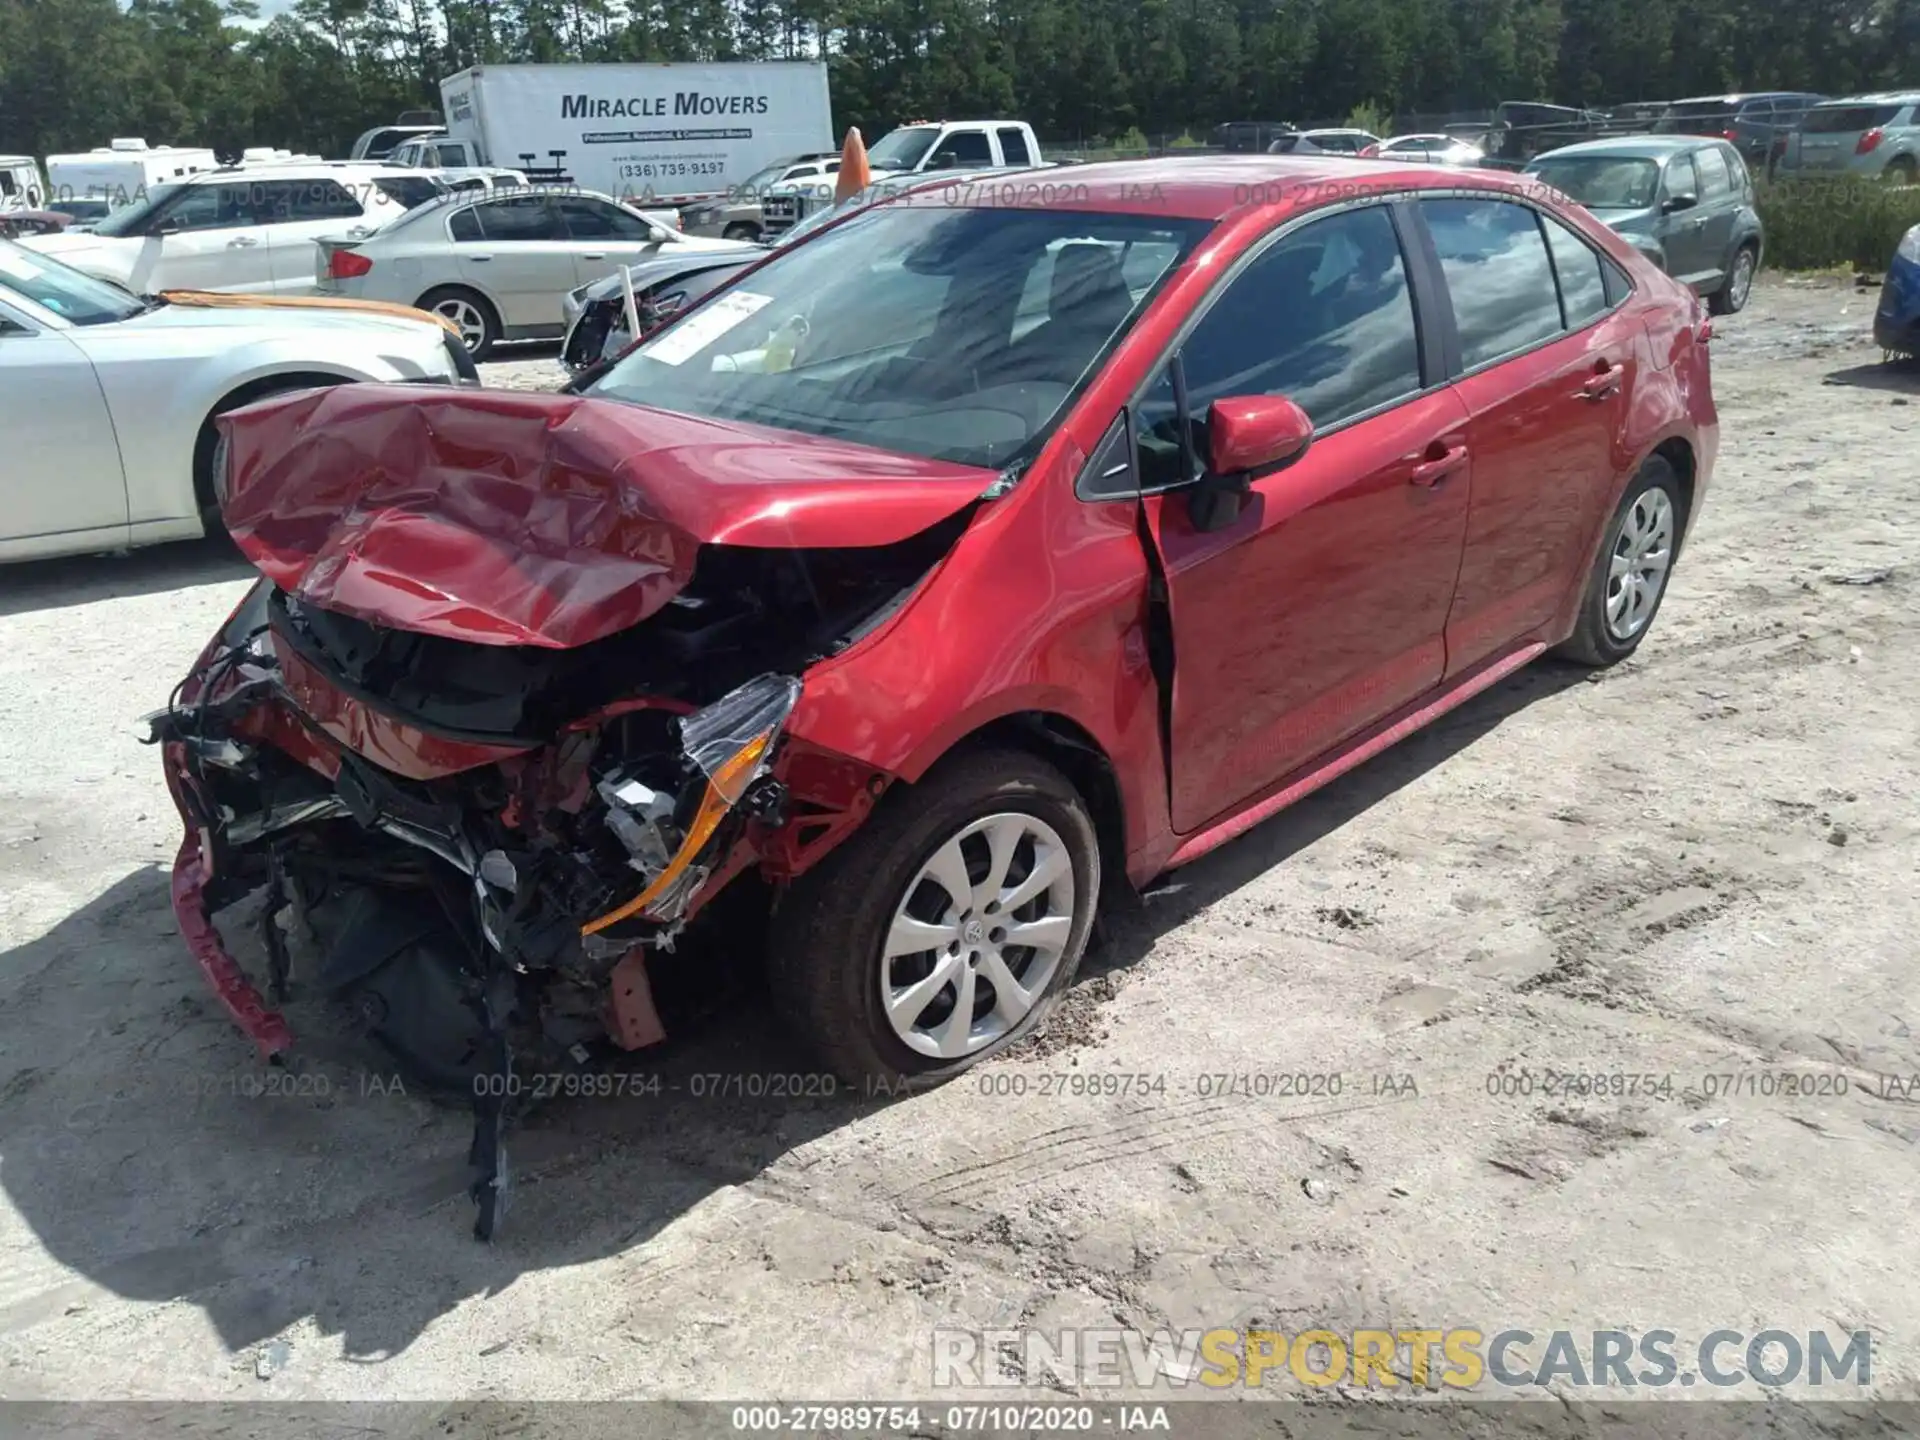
(1319, 607)
(1546, 368)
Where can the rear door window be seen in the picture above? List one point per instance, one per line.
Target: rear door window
(1013, 145)
(324, 199)
(1583, 281)
(1496, 265)
(519, 221)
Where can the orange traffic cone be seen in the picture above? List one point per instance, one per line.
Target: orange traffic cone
(854, 174)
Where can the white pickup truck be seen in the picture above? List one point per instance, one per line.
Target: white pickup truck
(925, 147)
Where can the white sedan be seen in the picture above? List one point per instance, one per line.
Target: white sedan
(107, 400)
(1427, 149)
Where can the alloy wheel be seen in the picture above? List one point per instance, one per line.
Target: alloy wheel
(977, 935)
(465, 315)
(1741, 281)
(1642, 557)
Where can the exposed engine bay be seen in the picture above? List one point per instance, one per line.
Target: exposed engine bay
(493, 849)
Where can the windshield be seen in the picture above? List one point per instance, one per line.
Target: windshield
(902, 149)
(954, 333)
(1603, 182)
(66, 292)
(132, 219)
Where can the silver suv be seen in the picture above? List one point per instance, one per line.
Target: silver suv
(1860, 135)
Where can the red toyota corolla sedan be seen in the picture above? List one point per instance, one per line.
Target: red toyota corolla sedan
(998, 542)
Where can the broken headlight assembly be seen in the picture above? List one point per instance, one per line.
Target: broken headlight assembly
(730, 746)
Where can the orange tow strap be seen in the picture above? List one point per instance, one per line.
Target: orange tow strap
(210, 300)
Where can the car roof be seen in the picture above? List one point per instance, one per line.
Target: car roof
(1645, 147)
(1743, 96)
(1877, 97)
(1212, 187)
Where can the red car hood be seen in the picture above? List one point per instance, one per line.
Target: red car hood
(506, 518)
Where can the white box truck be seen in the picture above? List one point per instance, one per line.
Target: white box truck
(124, 171)
(640, 132)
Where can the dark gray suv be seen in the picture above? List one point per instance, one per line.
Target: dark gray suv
(1757, 124)
(1685, 203)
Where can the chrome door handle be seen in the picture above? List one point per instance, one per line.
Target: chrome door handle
(479, 259)
(241, 242)
(594, 255)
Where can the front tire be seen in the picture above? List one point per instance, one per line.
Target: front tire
(946, 929)
(1629, 577)
(741, 230)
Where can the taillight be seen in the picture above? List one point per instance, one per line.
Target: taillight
(346, 264)
(1729, 133)
(1869, 141)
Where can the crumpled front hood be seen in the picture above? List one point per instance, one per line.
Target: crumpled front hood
(504, 518)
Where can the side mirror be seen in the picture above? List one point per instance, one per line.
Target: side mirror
(1255, 432)
(1246, 435)
(1681, 200)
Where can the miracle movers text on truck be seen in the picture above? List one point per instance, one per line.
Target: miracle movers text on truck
(667, 132)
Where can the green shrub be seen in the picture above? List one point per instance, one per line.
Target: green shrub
(1130, 139)
(1183, 141)
(1370, 118)
(1816, 224)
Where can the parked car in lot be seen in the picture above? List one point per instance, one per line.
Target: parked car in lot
(107, 400)
(1524, 128)
(16, 223)
(911, 625)
(1426, 150)
(1862, 135)
(82, 213)
(737, 215)
(1323, 142)
(1685, 203)
(245, 230)
(1896, 319)
(497, 267)
(596, 319)
(1757, 125)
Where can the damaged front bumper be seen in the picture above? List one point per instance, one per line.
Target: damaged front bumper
(541, 879)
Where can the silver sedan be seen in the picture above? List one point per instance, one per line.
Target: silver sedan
(498, 266)
(107, 400)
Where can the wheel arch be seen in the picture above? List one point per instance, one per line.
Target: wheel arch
(1678, 452)
(1072, 749)
(257, 388)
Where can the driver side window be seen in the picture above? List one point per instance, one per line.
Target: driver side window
(1323, 316)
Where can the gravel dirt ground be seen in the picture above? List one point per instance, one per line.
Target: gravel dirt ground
(1700, 866)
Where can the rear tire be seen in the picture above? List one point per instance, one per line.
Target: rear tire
(479, 322)
(1904, 171)
(1731, 298)
(741, 230)
(1631, 573)
(995, 820)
